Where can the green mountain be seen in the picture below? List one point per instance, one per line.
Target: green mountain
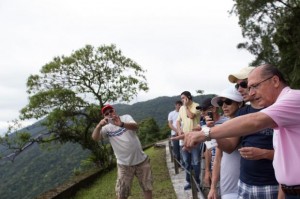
(157, 108)
(40, 168)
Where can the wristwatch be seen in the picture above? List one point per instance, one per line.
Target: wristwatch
(206, 131)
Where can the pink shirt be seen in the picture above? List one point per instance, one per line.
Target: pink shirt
(286, 139)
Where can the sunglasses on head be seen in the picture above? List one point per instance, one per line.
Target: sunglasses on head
(108, 112)
(226, 101)
(243, 84)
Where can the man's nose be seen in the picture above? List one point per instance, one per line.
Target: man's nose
(251, 92)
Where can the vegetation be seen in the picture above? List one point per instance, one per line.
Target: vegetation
(105, 186)
(148, 131)
(272, 30)
(38, 170)
(42, 167)
(71, 90)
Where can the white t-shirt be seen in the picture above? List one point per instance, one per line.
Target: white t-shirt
(125, 143)
(173, 115)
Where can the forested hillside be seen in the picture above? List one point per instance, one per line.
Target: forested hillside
(40, 168)
(157, 108)
(37, 170)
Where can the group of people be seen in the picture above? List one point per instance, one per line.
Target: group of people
(250, 138)
(264, 131)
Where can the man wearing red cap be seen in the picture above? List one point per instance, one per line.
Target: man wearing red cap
(131, 160)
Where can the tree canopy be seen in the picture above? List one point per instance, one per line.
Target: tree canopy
(148, 131)
(71, 90)
(272, 30)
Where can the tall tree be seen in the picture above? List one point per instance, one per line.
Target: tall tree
(71, 90)
(272, 30)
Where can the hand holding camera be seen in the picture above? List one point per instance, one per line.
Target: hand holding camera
(209, 119)
(210, 114)
(115, 120)
(110, 121)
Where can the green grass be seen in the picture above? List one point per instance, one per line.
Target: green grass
(104, 187)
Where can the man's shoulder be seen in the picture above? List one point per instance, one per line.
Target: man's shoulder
(126, 117)
(195, 104)
(172, 112)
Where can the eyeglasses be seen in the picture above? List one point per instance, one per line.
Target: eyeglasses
(255, 86)
(108, 112)
(226, 101)
(243, 84)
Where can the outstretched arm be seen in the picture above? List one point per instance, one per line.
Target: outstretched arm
(236, 127)
(242, 125)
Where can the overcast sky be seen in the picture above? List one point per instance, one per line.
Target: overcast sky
(183, 45)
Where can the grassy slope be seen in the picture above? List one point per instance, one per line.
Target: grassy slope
(104, 187)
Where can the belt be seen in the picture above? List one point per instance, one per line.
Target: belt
(291, 190)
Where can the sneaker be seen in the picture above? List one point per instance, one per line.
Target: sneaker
(187, 187)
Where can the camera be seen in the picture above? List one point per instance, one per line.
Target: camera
(210, 114)
(110, 121)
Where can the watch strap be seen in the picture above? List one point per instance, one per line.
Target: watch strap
(206, 131)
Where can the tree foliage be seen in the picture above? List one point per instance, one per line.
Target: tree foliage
(148, 131)
(71, 90)
(272, 30)
(165, 131)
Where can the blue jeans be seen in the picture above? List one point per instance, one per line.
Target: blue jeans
(192, 161)
(176, 150)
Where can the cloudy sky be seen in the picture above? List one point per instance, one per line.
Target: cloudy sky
(183, 45)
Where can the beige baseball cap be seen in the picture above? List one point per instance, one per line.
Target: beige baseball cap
(242, 74)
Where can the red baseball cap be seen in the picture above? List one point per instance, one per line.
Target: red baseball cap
(106, 107)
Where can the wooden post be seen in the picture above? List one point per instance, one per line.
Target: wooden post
(194, 185)
(171, 151)
(176, 166)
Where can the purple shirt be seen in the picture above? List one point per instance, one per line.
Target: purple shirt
(285, 112)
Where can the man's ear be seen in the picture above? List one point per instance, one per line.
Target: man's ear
(275, 81)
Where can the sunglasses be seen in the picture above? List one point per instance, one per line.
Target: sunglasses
(226, 101)
(243, 84)
(108, 112)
